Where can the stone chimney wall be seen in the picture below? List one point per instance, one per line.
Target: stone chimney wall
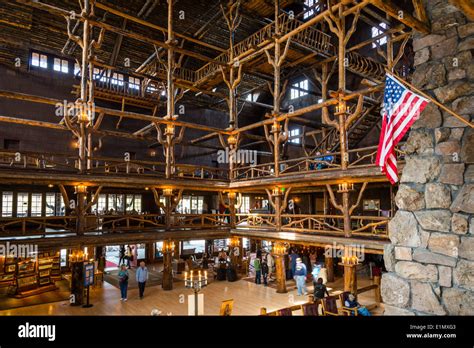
(430, 260)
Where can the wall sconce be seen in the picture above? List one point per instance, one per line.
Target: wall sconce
(345, 187)
(275, 127)
(83, 112)
(169, 129)
(168, 246)
(231, 195)
(167, 192)
(341, 108)
(81, 188)
(276, 191)
(231, 140)
(279, 249)
(234, 242)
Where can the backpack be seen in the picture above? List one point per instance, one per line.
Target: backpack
(264, 268)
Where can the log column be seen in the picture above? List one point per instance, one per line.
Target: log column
(329, 263)
(349, 261)
(279, 251)
(168, 248)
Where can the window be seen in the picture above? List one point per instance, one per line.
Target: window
(294, 133)
(313, 8)
(77, 70)
(299, 89)
(100, 75)
(134, 83)
(61, 65)
(36, 204)
(7, 204)
(191, 205)
(39, 60)
(117, 79)
(101, 204)
(54, 204)
(245, 207)
(22, 205)
(376, 32)
(252, 97)
(134, 203)
(199, 246)
(151, 89)
(63, 257)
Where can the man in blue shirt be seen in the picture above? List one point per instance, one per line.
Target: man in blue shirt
(142, 277)
(300, 277)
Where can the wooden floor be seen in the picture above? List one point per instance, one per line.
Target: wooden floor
(248, 298)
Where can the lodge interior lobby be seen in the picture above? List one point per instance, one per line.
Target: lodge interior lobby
(234, 147)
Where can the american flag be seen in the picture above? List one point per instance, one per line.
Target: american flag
(401, 108)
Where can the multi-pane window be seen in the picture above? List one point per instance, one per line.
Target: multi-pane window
(115, 202)
(39, 60)
(7, 204)
(311, 7)
(133, 203)
(133, 82)
(100, 75)
(294, 136)
(117, 79)
(54, 204)
(191, 205)
(376, 32)
(101, 206)
(245, 207)
(61, 65)
(36, 204)
(299, 89)
(22, 205)
(199, 246)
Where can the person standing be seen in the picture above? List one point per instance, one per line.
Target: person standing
(121, 255)
(320, 289)
(264, 272)
(271, 265)
(293, 257)
(123, 282)
(142, 277)
(300, 277)
(128, 255)
(257, 265)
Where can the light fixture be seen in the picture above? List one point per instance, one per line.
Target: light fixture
(81, 188)
(232, 140)
(275, 127)
(50, 185)
(147, 188)
(231, 195)
(279, 248)
(345, 187)
(169, 129)
(167, 191)
(276, 191)
(234, 242)
(168, 246)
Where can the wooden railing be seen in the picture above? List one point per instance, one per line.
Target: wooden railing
(362, 157)
(114, 223)
(36, 225)
(311, 38)
(251, 220)
(200, 220)
(41, 161)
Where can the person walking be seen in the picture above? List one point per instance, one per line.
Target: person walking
(142, 277)
(265, 272)
(271, 265)
(123, 282)
(128, 255)
(257, 265)
(121, 255)
(300, 277)
(320, 289)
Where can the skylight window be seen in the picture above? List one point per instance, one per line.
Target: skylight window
(299, 89)
(61, 65)
(376, 32)
(39, 60)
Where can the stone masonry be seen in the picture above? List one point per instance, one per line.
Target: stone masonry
(430, 260)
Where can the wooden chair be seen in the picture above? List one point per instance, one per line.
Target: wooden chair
(311, 309)
(285, 312)
(346, 310)
(330, 305)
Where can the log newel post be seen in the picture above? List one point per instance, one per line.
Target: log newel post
(279, 252)
(168, 249)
